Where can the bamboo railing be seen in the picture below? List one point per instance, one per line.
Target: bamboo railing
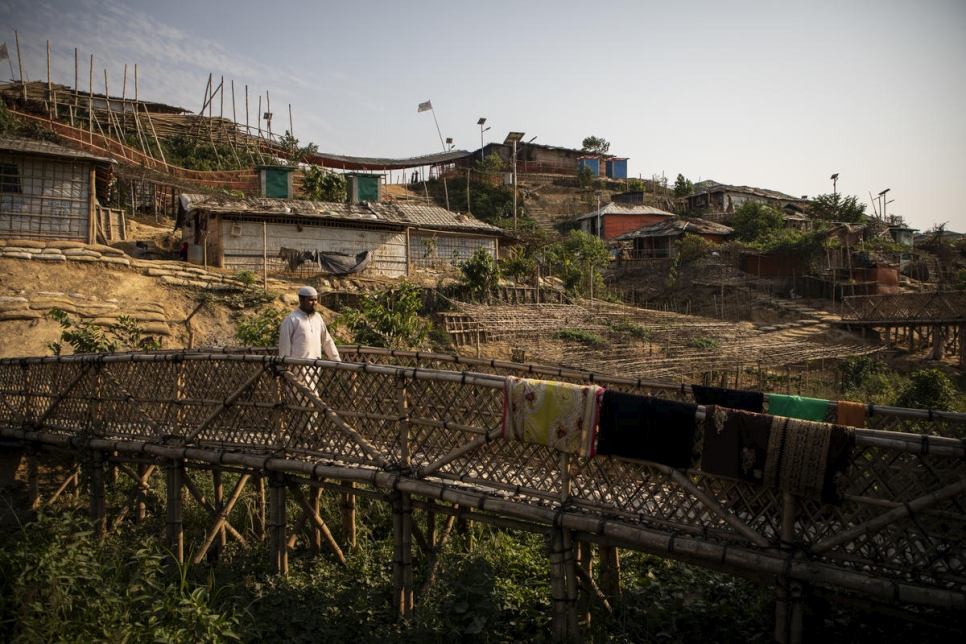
(428, 426)
(922, 309)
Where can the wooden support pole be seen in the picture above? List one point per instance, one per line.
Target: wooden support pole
(402, 566)
(220, 540)
(278, 552)
(98, 501)
(315, 536)
(610, 571)
(938, 348)
(174, 526)
(349, 516)
(33, 480)
(585, 569)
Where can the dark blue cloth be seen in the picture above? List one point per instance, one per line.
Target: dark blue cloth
(753, 401)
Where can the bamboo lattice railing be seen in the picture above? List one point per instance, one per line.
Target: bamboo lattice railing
(424, 426)
(922, 309)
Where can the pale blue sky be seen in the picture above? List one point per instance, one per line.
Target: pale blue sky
(766, 94)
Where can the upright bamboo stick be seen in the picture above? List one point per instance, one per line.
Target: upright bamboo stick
(174, 526)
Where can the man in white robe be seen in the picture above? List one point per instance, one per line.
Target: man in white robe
(303, 333)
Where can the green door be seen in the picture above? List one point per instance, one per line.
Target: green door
(276, 183)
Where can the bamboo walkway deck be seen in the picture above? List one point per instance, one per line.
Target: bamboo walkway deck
(406, 426)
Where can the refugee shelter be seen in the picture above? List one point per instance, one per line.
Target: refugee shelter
(615, 219)
(50, 192)
(657, 240)
(289, 235)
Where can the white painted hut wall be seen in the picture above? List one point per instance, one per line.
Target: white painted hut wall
(53, 201)
(242, 246)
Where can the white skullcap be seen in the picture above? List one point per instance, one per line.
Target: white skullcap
(308, 291)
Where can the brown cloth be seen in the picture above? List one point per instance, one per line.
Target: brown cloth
(803, 457)
(735, 443)
(851, 414)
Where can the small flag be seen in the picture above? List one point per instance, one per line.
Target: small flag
(423, 107)
(4, 54)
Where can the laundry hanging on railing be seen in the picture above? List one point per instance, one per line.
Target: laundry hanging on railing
(334, 263)
(556, 414)
(802, 457)
(799, 407)
(850, 414)
(647, 428)
(731, 398)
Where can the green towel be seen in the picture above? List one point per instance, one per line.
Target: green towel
(797, 407)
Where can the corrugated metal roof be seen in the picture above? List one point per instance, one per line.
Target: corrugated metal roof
(620, 209)
(711, 187)
(676, 226)
(46, 148)
(440, 218)
(430, 217)
(289, 207)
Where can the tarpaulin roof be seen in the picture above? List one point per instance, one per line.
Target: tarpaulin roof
(341, 162)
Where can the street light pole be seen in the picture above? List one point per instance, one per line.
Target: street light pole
(514, 138)
(835, 180)
(883, 203)
(480, 123)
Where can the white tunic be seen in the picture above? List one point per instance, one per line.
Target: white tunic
(302, 336)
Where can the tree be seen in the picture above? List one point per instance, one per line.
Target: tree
(682, 186)
(492, 164)
(928, 389)
(574, 259)
(480, 274)
(387, 319)
(595, 145)
(834, 207)
(261, 328)
(754, 221)
(319, 184)
(293, 152)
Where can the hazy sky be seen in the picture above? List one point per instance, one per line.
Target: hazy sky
(767, 94)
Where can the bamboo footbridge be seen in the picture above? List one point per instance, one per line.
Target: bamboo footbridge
(422, 432)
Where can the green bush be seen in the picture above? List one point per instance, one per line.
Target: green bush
(633, 329)
(261, 328)
(579, 335)
(87, 337)
(928, 389)
(387, 319)
(703, 343)
(480, 275)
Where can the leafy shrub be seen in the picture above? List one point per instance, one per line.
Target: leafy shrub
(579, 335)
(60, 584)
(857, 370)
(928, 389)
(633, 329)
(703, 343)
(387, 319)
(480, 275)
(87, 337)
(261, 328)
(319, 184)
(517, 265)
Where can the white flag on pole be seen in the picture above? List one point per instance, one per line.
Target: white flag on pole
(425, 107)
(4, 54)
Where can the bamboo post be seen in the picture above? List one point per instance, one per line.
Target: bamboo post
(315, 532)
(278, 552)
(33, 479)
(219, 493)
(585, 561)
(98, 501)
(140, 506)
(174, 526)
(610, 571)
(349, 515)
(23, 85)
(402, 553)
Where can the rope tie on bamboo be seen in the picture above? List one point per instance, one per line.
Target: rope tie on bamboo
(724, 554)
(463, 378)
(930, 415)
(786, 569)
(670, 543)
(895, 591)
(924, 446)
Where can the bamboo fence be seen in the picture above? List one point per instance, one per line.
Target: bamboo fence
(424, 431)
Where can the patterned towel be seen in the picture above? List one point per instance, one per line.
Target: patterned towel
(803, 457)
(735, 444)
(731, 398)
(851, 414)
(797, 407)
(646, 428)
(556, 414)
